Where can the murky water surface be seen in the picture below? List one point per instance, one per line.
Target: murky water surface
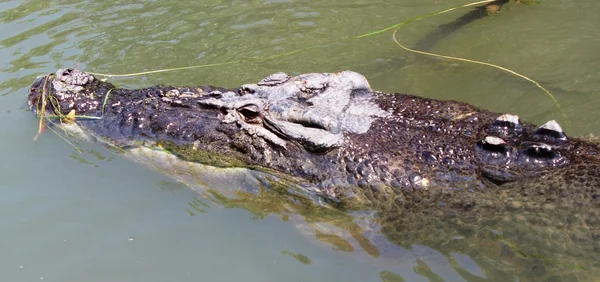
(67, 215)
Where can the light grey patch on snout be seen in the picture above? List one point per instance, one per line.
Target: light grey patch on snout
(317, 109)
(342, 103)
(360, 114)
(314, 109)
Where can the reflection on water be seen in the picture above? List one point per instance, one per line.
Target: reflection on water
(387, 276)
(83, 157)
(299, 257)
(65, 221)
(466, 251)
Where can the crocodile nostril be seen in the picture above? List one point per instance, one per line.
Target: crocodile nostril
(247, 89)
(506, 125)
(550, 132)
(67, 72)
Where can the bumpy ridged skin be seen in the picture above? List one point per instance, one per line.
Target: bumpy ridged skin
(418, 166)
(434, 140)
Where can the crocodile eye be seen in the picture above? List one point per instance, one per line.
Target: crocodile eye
(541, 156)
(250, 112)
(550, 132)
(506, 125)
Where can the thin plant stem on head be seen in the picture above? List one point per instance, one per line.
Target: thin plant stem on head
(42, 111)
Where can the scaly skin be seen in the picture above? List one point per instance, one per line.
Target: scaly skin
(425, 166)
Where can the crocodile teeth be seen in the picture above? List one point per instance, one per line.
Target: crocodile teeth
(506, 125)
(551, 132)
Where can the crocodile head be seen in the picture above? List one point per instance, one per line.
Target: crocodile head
(263, 124)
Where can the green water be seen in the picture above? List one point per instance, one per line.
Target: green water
(95, 216)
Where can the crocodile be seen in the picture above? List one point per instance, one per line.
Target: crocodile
(424, 166)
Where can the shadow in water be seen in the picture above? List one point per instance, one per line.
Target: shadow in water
(506, 246)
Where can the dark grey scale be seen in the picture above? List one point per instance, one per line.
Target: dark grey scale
(274, 79)
(383, 172)
(438, 149)
(351, 167)
(364, 169)
(378, 188)
(506, 126)
(429, 157)
(395, 183)
(448, 161)
(402, 182)
(538, 156)
(550, 133)
(351, 180)
(461, 154)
